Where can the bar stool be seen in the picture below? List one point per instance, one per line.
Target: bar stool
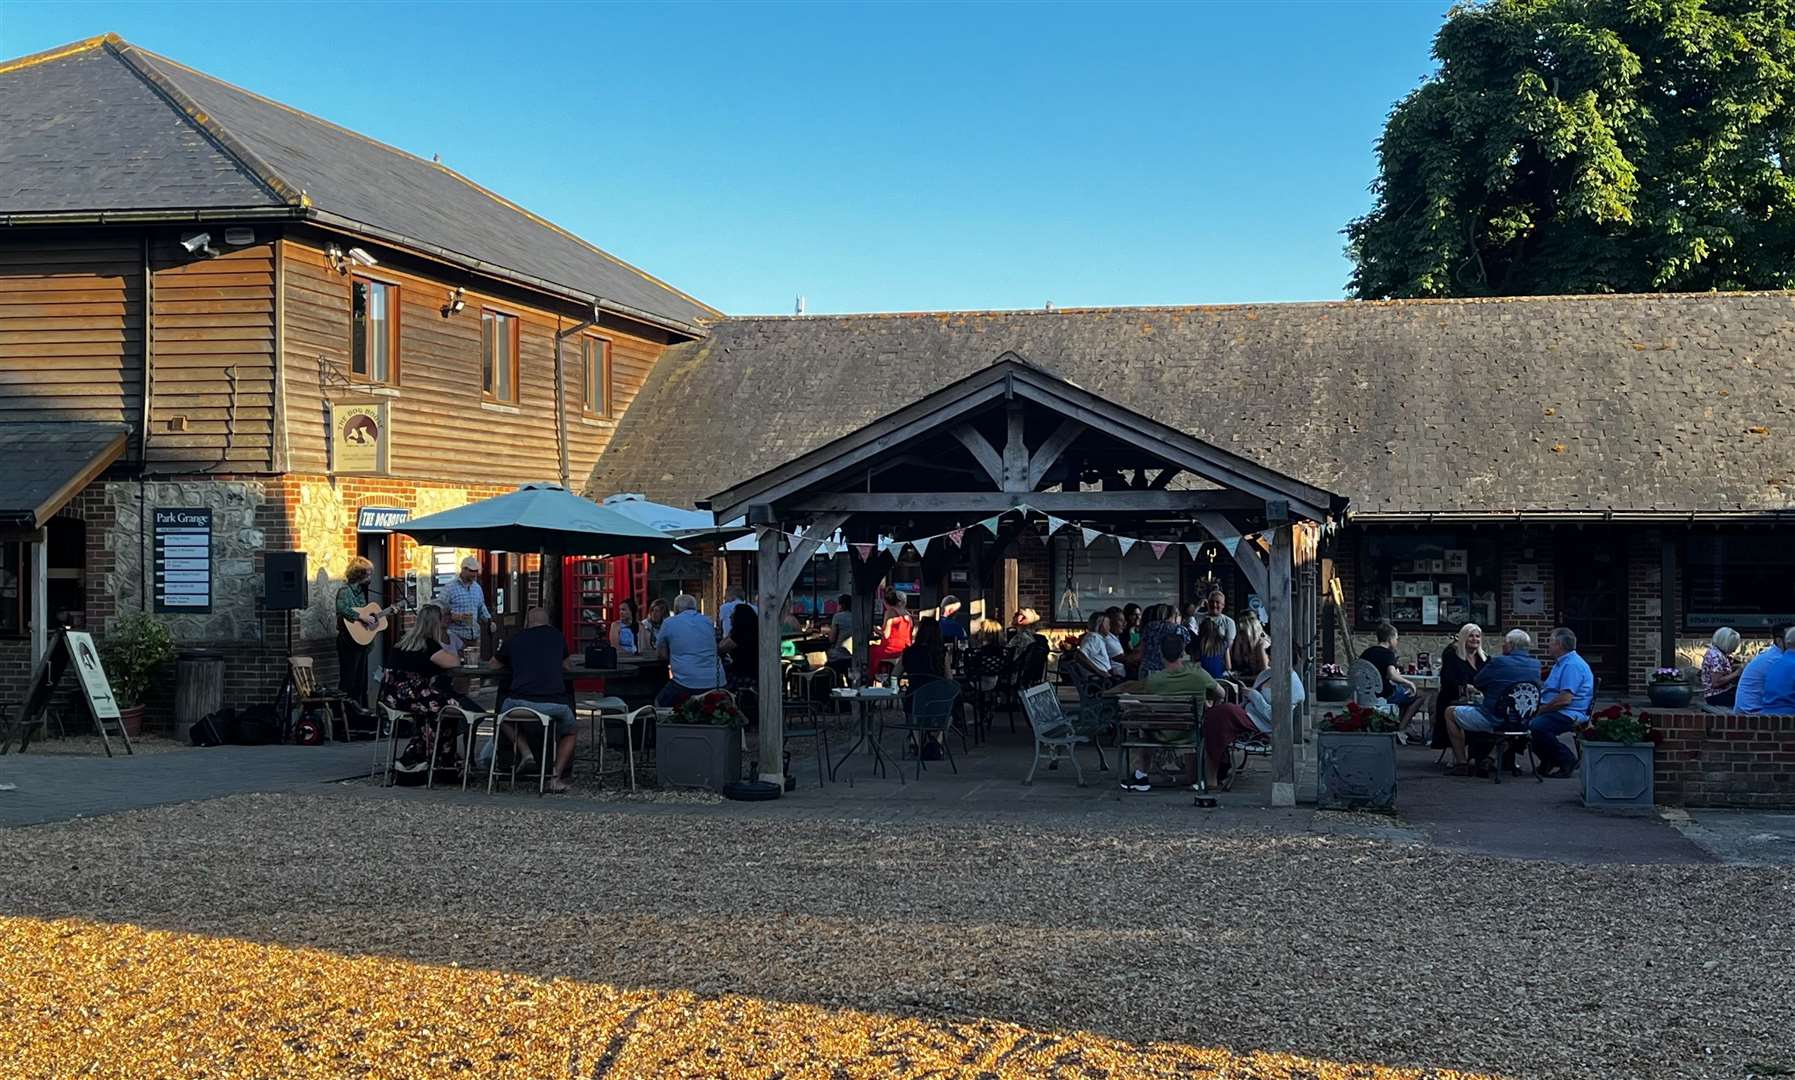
(519, 714)
(599, 710)
(630, 721)
(468, 720)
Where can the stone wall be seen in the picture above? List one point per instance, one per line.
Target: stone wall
(1724, 759)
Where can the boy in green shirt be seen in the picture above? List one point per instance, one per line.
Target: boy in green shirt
(1179, 677)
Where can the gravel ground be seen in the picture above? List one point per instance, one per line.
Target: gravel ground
(91, 746)
(1333, 948)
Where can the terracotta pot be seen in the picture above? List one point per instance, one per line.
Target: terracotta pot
(131, 719)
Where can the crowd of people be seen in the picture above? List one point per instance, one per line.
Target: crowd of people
(1764, 684)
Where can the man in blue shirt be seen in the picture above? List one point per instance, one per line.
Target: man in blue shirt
(688, 642)
(951, 628)
(1564, 703)
(1779, 679)
(1749, 697)
(1516, 665)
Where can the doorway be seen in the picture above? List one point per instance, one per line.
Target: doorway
(377, 548)
(1592, 601)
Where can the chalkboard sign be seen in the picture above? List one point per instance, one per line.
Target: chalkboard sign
(183, 546)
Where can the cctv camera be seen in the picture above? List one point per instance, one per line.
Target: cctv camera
(360, 257)
(198, 244)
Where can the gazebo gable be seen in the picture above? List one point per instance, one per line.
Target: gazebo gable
(1011, 430)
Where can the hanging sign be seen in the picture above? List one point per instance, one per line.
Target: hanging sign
(183, 552)
(358, 437)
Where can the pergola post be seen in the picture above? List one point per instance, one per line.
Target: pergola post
(40, 598)
(1283, 639)
(772, 696)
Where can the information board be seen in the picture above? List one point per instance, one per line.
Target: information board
(183, 548)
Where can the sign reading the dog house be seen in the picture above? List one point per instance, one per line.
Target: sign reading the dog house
(358, 437)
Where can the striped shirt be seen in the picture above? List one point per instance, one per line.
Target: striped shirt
(459, 599)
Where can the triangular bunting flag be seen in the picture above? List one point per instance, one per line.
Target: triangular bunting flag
(1125, 542)
(990, 523)
(957, 536)
(1193, 549)
(1159, 548)
(1232, 543)
(921, 545)
(1054, 524)
(865, 551)
(885, 543)
(1089, 535)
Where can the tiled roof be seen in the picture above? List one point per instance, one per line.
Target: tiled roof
(44, 461)
(1626, 404)
(105, 126)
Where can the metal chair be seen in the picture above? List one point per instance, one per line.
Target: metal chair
(519, 714)
(1054, 732)
(1367, 683)
(1098, 712)
(600, 712)
(983, 675)
(928, 710)
(802, 721)
(802, 681)
(631, 721)
(1029, 669)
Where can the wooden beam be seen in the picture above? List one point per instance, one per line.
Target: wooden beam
(981, 451)
(1245, 555)
(770, 692)
(40, 605)
(1165, 477)
(819, 530)
(1015, 451)
(1049, 452)
(996, 502)
(1278, 609)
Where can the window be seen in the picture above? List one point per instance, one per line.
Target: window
(12, 589)
(1102, 577)
(1742, 580)
(595, 376)
(1427, 580)
(498, 340)
(373, 331)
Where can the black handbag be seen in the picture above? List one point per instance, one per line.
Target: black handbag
(601, 655)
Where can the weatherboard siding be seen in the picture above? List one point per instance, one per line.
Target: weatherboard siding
(440, 427)
(71, 328)
(212, 388)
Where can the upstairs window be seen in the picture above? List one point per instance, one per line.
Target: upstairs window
(498, 338)
(595, 376)
(1738, 579)
(373, 331)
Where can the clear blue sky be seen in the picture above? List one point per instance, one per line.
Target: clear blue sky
(873, 158)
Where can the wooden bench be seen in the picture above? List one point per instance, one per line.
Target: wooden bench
(1146, 718)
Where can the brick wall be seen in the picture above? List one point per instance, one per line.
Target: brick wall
(1724, 759)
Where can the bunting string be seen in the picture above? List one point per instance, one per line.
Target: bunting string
(957, 537)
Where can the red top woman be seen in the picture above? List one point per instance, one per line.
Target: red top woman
(895, 635)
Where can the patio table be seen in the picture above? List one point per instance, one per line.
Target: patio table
(1421, 724)
(860, 697)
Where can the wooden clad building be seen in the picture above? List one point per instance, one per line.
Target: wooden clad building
(305, 332)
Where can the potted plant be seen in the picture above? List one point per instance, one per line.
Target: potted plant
(1617, 758)
(1356, 758)
(1331, 684)
(1669, 688)
(700, 745)
(135, 651)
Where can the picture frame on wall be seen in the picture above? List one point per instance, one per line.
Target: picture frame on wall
(1457, 561)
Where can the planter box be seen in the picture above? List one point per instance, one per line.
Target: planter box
(1617, 774)
(1355, 770)
(698, 755)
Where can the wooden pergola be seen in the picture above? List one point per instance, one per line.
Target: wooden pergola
(1013, 436)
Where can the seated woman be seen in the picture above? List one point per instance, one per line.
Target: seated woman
(627, 635)
(1251, 651)
(1720, 672)
(417, 680)
(1459, 664)
(740, 648)
(923, 659)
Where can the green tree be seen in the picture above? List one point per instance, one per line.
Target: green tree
(1570, 146)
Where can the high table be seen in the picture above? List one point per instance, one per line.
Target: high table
(861, 696)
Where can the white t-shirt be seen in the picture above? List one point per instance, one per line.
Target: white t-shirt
(1258, 699)
(1096, 650)
(1112, 646)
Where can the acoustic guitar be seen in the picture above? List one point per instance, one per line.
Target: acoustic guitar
(364, 635)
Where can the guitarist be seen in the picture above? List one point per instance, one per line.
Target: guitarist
(352, 656)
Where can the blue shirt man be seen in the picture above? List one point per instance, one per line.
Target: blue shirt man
(464, 602)
(1779, 681)
(1497, 675)
(1564, 703)
(1749, 698)
(688, 642)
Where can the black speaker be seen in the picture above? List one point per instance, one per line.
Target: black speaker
(283, 581)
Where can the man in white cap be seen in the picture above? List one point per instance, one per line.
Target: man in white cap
(466, 605)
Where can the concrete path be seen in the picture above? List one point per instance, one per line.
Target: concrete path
(56, 787)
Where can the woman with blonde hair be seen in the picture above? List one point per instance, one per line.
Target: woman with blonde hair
(1460, 661)
(1251, 651)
